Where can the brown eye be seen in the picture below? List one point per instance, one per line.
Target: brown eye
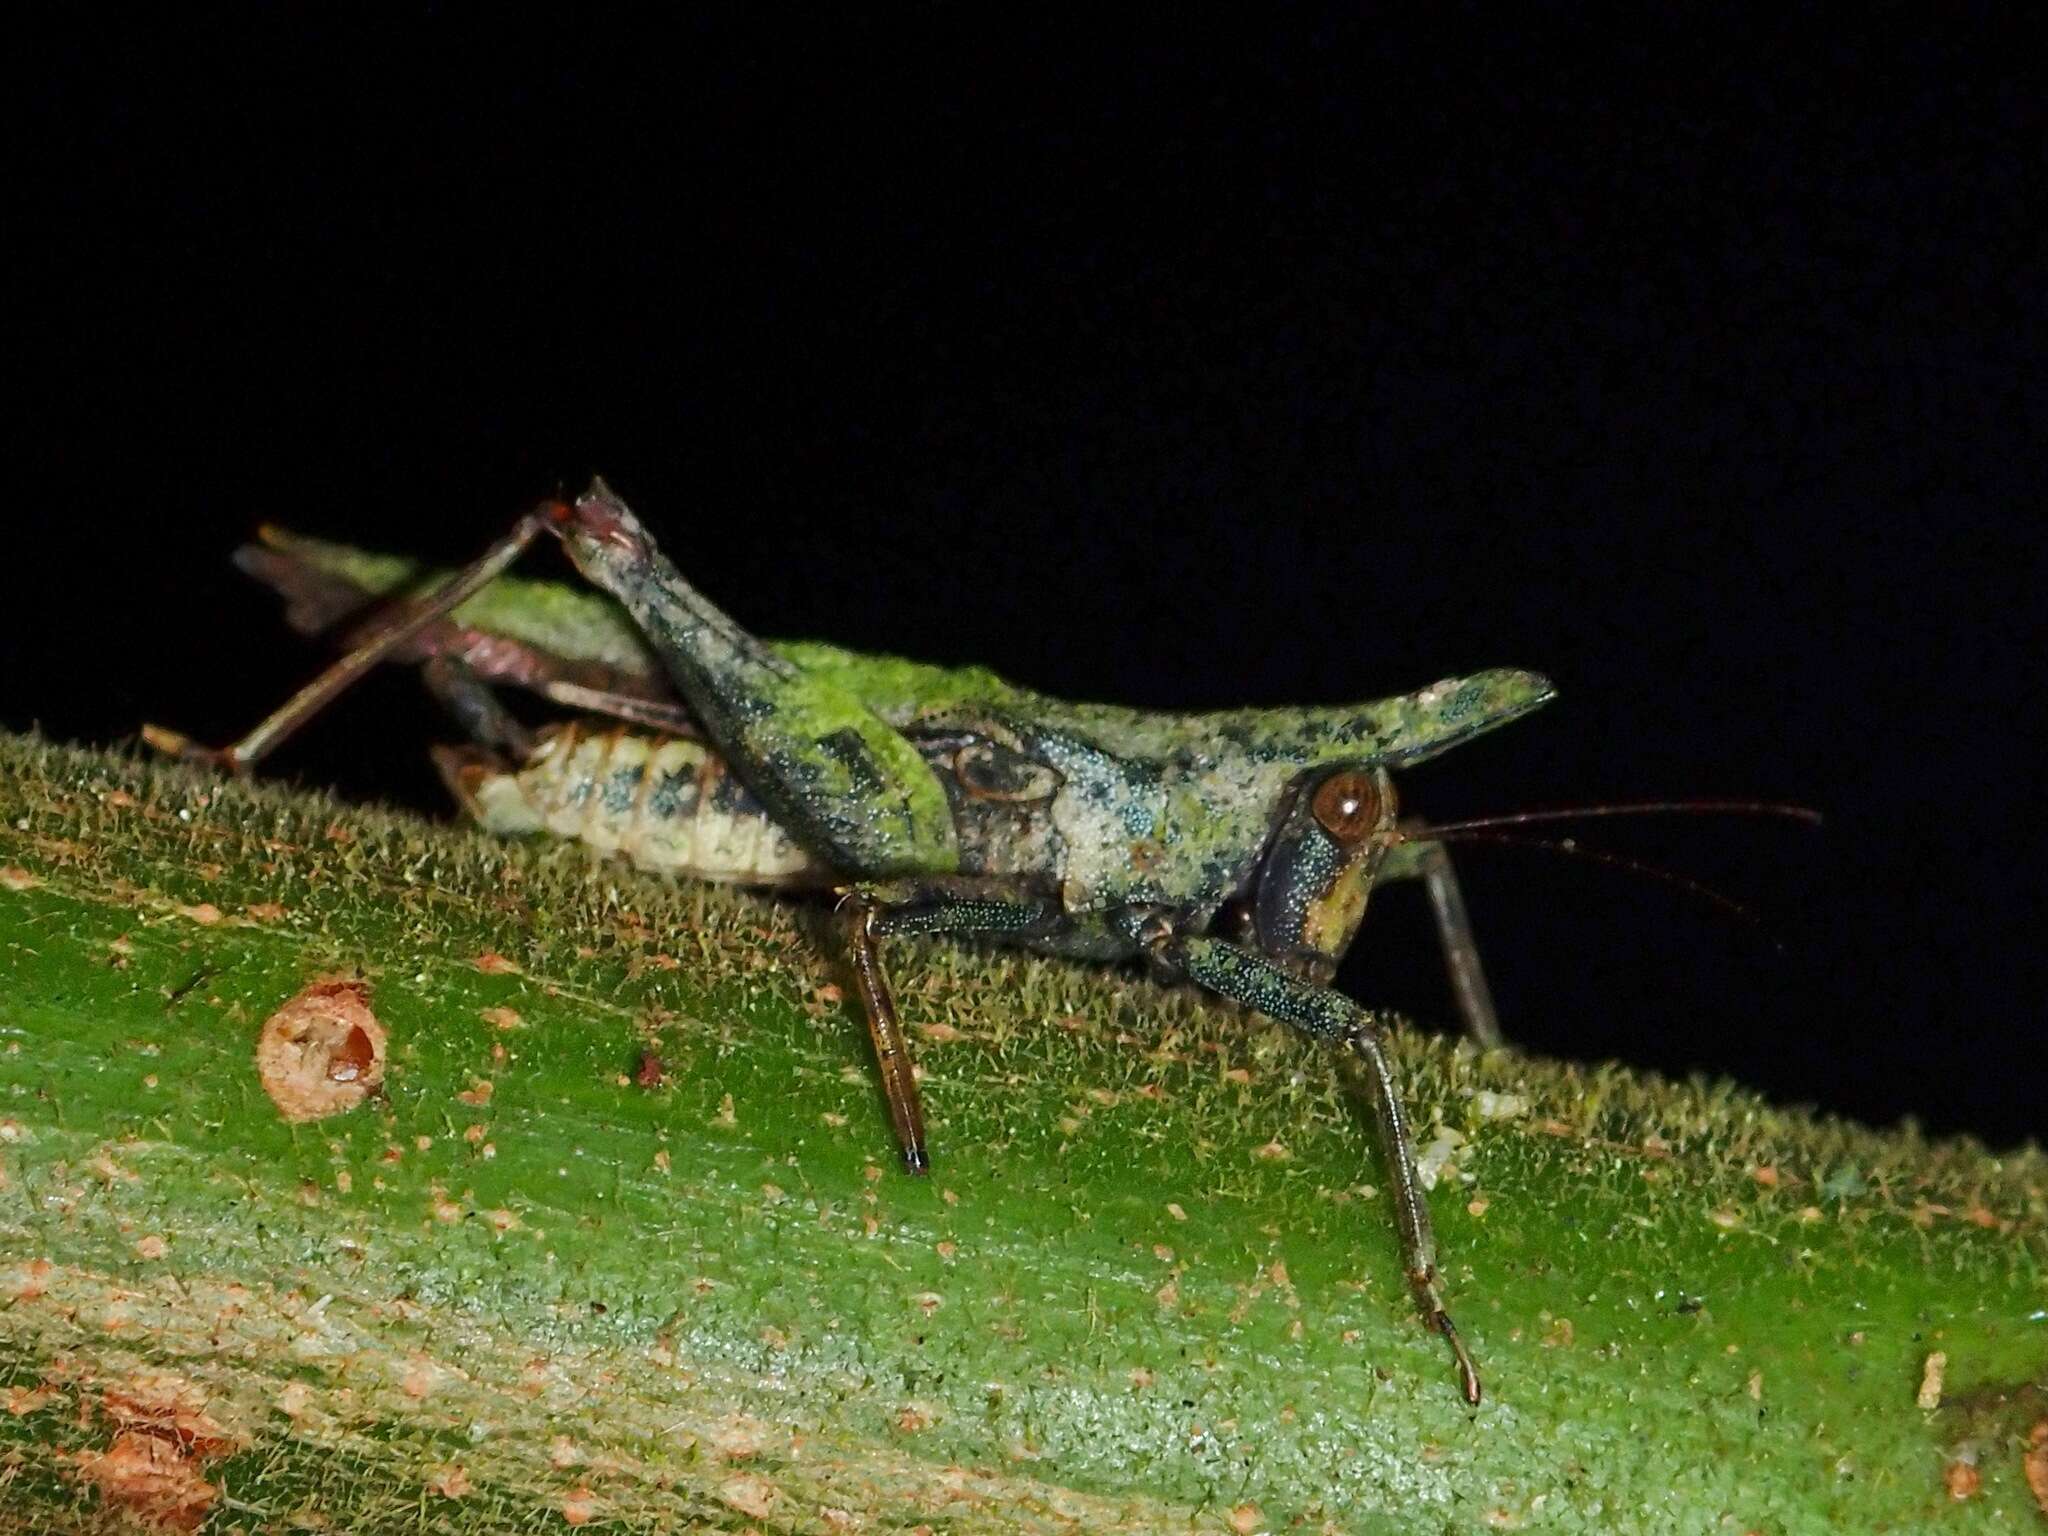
(1348, 805)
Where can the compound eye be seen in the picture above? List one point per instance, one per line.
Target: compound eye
(1347, 805)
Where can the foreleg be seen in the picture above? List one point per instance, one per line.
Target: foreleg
(1249, 978)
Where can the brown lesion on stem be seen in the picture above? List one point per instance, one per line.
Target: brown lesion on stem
(323, 1052)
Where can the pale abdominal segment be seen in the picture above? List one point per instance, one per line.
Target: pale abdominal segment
(668, 805)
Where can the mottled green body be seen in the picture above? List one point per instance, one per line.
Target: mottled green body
(1103, 805)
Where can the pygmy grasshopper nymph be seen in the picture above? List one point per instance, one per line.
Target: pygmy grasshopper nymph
(1233, 850)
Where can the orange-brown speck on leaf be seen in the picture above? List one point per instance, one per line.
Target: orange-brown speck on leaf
(265, 911)
(750, 1495)
(451, 1481)
(1246, 1518)
(491, 963)
(25, 1282)
(323, 1052)
(422, 1377)
(738, 1438)
(650, 1071)
(26, 1400)
(148, 1480)
(579, 1506)
(14, 878)
(170, 1407)
(2035, 1463)
(205, 913)
(1962, 1479)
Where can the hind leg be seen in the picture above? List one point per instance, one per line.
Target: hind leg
(847, 786)
(375, 644)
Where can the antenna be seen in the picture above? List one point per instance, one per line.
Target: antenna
(1571, 849)
(1800, 813)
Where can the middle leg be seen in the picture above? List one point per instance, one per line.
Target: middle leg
(957, 905)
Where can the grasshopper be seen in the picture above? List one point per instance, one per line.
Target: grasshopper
(1234, 851)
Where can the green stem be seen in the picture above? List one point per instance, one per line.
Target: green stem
(623, 1237)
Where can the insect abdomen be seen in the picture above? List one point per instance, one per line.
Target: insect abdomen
(668, 805)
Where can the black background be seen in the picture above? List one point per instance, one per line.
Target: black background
(1700, 369)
